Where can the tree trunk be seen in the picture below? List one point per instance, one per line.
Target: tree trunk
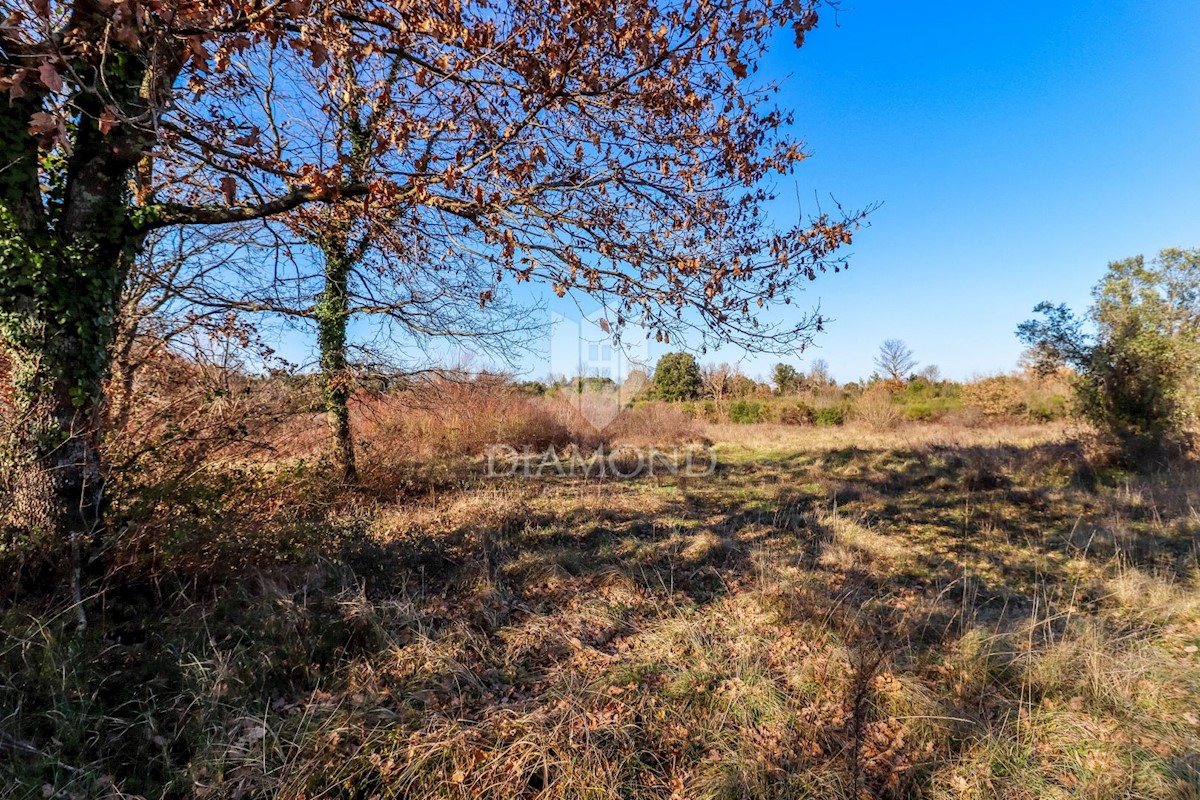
(56, 480)
(333, 316)
(62, 267)
(51, 453)
(343, 441)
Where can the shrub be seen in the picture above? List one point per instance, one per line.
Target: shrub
(1048, 409)
(877, 410)
(928, 410)
(798, 414)
(1000, 395)
(451, 419)
(829, 416)
(705, 410)
(745, 412)
(654, 423)
(923, 389)
(921, 412)
(1038, 398)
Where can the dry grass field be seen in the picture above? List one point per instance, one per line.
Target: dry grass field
(927, 611)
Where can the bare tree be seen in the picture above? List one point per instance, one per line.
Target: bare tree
(818, 374)
(717, 381)
(895, 360)
(159, 310)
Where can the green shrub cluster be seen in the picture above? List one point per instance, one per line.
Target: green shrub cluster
(1024, 397)
(828, 416)
(747, 412)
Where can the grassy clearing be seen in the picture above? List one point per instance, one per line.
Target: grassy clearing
(931, 612)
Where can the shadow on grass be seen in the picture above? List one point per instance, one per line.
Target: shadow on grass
(472, 613)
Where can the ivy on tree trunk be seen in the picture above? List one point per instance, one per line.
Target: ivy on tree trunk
(333, 315)
(62, 265)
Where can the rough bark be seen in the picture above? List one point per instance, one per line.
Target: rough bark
(56, 481)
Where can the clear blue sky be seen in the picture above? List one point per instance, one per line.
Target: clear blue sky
(1016, 147)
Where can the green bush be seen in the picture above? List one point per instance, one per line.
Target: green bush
(920, 389)
(745, 412)
(592, 384)
(1048, 409)
(929, 409)
(830, 416)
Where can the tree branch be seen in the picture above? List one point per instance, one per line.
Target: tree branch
(166, 214)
